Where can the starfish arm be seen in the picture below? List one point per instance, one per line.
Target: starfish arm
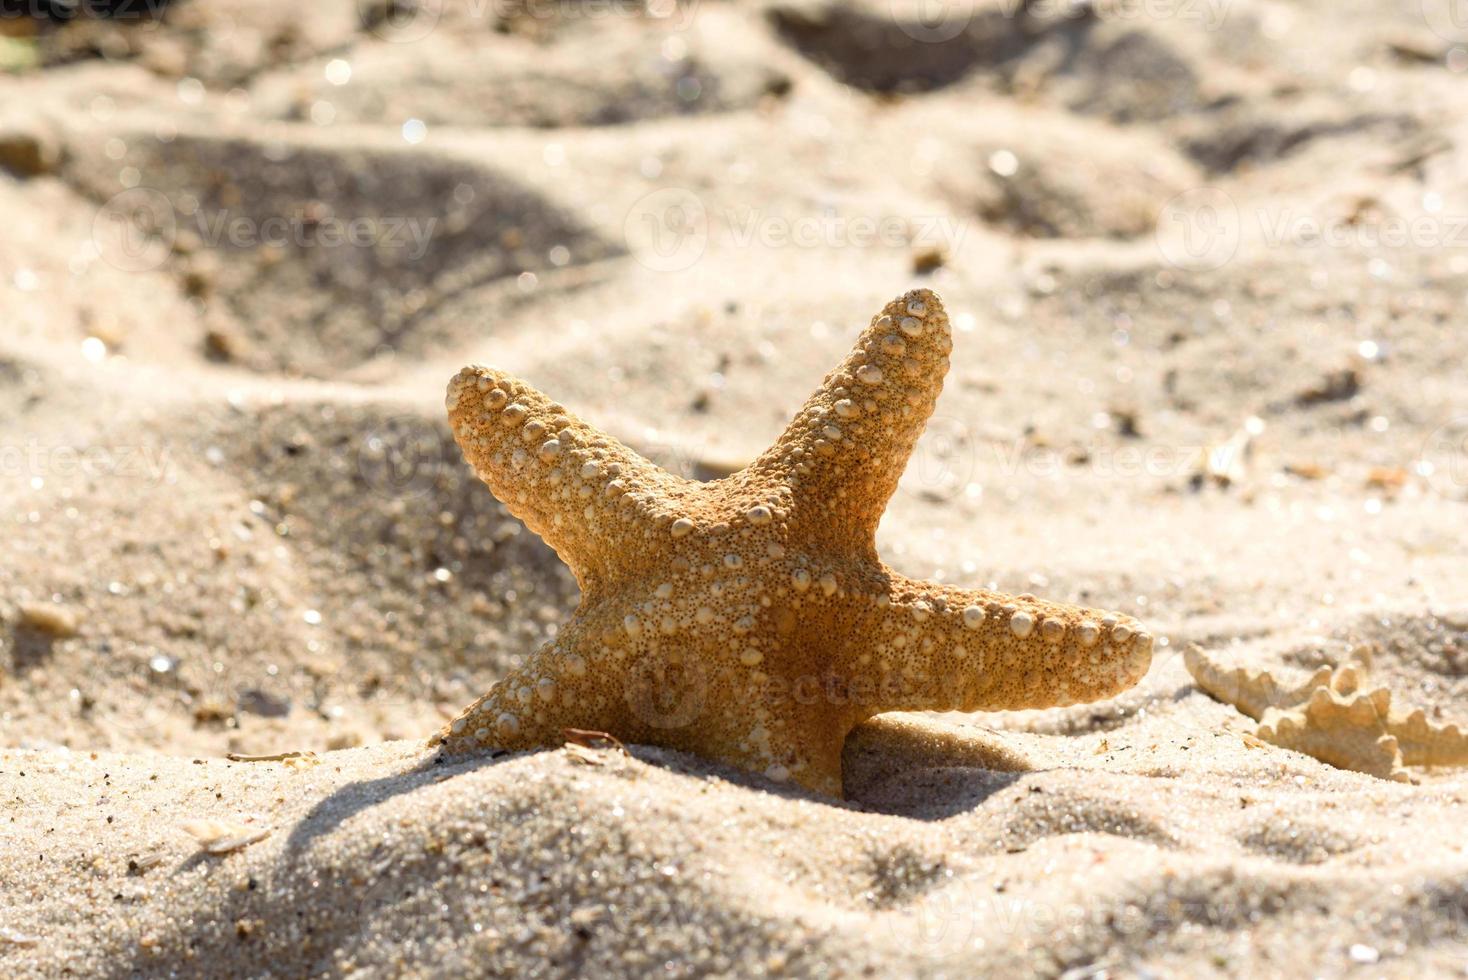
(649, 688)
(1426, 744)
(564, 684)
(841, 457)
(941, 648)
(591, 498)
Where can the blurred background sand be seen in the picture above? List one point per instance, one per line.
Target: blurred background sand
(1207, 263)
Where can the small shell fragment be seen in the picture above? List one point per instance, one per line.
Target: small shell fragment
(217, 836)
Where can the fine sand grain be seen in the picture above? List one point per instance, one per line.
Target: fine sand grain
(1206, 265)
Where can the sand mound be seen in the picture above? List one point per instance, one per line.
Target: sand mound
(319, 580)
(1023, 171)
(380, 860)
(328, 237)
(617, 74)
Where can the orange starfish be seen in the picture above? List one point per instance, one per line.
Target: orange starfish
(749, 620)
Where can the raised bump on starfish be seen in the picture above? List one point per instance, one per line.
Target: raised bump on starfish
(841, 456)
(591, 498)
(749, 620)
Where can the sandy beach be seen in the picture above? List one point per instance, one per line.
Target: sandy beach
(1205, 264)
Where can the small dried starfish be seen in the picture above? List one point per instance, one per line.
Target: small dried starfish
(749, 620)
(1332, 717)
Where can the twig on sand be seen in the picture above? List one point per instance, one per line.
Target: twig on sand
(593, 739)
(305, 756)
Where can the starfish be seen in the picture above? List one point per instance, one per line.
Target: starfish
(749, 620)
(1333, 717)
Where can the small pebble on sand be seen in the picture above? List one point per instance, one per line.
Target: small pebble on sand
(51, 619)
